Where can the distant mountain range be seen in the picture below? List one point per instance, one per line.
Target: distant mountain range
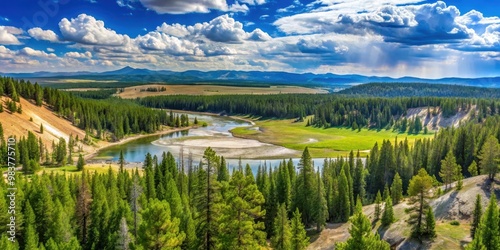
(129, 74)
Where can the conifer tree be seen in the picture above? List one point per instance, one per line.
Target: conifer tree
(378, 200)
(386, 193)
(489, 157)
(306, 188)
(124, 240)
(158, 229)
(121, 161)
(299, 239)
(83, 203)
(239, 228)
(489, 228)
(282, 235)
(473, 169)
(430, 224)
(135, 194)
(388, 215)
(418, 190)
(476, 216)
(41, 128)
(361, 234)
(208, 201)
(320, 207)
(283, 185)
(448, 169)
(396, 189)
(81, 163)
(30, 234)
(343, 206)
(359, 179)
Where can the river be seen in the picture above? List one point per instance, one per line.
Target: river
(194, 141)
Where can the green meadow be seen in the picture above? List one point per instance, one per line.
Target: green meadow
(330, 142)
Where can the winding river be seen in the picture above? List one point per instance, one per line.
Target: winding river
(194, 141)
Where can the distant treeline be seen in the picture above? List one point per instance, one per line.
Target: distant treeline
(95, 94)
(328, 110)
(420, 89)
(152, 89)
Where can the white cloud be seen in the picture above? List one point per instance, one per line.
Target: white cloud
(237, 7)
(184, 6)
(8, 35)
(27, 51)
(85, 55)
(259, 35)
(253, 2)
(224, 29)
(86, 29)
(45, 35)
(51, 50)
(169, 44)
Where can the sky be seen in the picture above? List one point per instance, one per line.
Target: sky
(429, 39)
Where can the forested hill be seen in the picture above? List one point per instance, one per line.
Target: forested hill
(420, 89)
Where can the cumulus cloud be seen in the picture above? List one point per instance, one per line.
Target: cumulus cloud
(184, 6)
(169, 44)
(259, 35)
(86, 29)
(410, 24)
(224, 29)
(27, 51)
(85, 55)
(8, 35)
(44, 35)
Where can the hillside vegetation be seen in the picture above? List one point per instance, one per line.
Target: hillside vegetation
(420, 89)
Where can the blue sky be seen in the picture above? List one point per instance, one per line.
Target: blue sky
(430, 39)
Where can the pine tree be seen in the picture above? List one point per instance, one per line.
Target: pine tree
(299, 239)
(30, 234)
(476, 216)
(81, 163)
(41, 128)
(489, 228)
(459, 178)
(361, 234)
(320, 207)
(282, 235)
(418, 191)
(83, 202)
(121, 161)
(396, 189)
(343, 205)
(378, 200)
(135, 194)
(238, 226)
(359, 179)
(386, 193)
(158, 229)
(388, 215)
(473, 169)
(489, 157)
(448, 169)
(306, 188)
(208, 201)
(430, 224)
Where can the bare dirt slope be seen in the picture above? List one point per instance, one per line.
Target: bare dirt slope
(453, 205)
(54, 126)
(437, 121)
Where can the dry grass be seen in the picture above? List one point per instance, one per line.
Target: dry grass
(54, 126)
(135, 91)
